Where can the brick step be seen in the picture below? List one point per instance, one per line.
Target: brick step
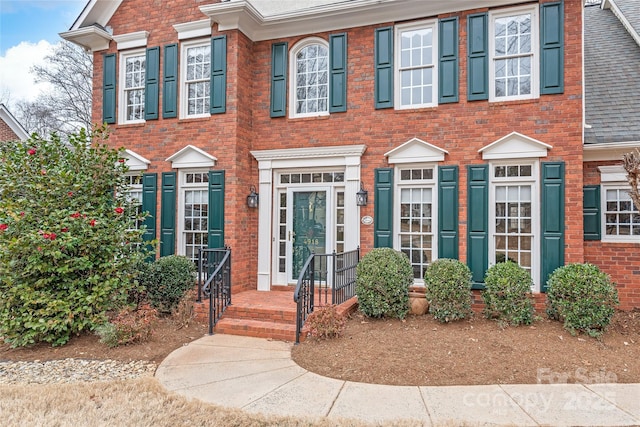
(282, 315)
(256, 328)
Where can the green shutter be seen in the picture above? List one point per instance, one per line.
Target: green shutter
(477, 57)
(591, 212)
(216, 209)
(149, 200)
(478, 221)
(151, 84)
(279, 52)
(109, 88)
(552, 48)
(218, 92)
(170, 82)
(338, 73)
(448, 53)
(448, 212)
(552, 250)
(383, 208)
(168, 214)
(383, 58)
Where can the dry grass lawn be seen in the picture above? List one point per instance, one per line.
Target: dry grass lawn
(141, 402)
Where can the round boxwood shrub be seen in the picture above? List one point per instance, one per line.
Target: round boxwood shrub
(583, 297)
(507, 294)
(448, 289)
(166, 280)
(383, 277)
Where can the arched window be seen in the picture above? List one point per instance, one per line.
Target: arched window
(310, 78)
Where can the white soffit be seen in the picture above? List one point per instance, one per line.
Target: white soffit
(135, 161)
(191, 157)
(416, 151)
(96, 12)
(91, 38)
(608, 150)
(270, 22)
(190, 30)
(615, 173)
(131, 40)
(515, 146)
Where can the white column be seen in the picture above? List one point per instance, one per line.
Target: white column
(265, 209)
(351, 209)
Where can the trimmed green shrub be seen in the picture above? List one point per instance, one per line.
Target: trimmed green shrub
(507, 294)
(583, 297)
(67, 238)
(166, 280)
(383, 277)
(325, 322)
(448, 289)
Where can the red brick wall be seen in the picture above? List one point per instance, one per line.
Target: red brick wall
(461, 128)
(6, 133)
(621, 261)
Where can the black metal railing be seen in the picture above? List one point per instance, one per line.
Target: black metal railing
(214, 281)
(330, 277)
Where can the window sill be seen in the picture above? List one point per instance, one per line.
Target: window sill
(131, 125)
(192, 119)
(316, 117)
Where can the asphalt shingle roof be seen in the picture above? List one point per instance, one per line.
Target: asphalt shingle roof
(612, 78)
(631, 10)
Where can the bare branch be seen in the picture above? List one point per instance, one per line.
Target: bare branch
(631, 164)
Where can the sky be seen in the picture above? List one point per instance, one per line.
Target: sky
(28, 32)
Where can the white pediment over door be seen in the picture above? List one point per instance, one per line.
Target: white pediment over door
(191, 157)
(416, 151)
(515, 146)
(135, 161)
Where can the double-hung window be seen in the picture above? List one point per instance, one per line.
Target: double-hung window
(310, 78)
(514, 54)
(416, 70)
(194, 213)
(514, 198)
(416, 213)
(621, 217)
(134, 194)
(132, 78)
(195, 76)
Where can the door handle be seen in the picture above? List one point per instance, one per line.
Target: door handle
(292, 235)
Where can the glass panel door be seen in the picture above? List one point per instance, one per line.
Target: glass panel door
(308, 228)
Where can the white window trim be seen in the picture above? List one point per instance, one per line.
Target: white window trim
(183, 92)
(131, 40)
(434, 52)
(182, 187)
(534, 180)
(424, 183)
(122, 102)
(269, 161)
(612, 178)
(292, 79)
(535, 49)
(193, 29)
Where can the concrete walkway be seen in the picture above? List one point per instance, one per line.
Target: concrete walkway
(258, 375)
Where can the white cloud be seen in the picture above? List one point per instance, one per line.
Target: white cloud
(16, 78)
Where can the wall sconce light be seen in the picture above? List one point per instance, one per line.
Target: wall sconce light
(362, 196)
(252, 198)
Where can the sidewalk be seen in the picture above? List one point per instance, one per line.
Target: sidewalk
(258, 375)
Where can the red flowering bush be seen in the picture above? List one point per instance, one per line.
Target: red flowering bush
(67, 255)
